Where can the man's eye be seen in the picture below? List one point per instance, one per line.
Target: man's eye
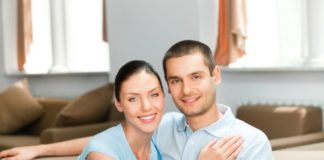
(175, 81)
(195, 77)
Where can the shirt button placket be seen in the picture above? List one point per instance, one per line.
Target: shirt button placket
(188, 150)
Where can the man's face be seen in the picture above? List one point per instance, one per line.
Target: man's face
(191, 85)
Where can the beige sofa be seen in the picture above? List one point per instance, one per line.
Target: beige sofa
(285, 125)
(44, 130)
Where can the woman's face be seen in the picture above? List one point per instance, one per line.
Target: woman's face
(142, 101)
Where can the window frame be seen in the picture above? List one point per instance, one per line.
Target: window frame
(9, 39)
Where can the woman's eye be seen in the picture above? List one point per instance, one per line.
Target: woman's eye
(132, 99)
(155, 94)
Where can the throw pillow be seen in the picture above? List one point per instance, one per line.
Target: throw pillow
(18, 108)
(90, 107)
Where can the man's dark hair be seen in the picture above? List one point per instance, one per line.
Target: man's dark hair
(187, 47)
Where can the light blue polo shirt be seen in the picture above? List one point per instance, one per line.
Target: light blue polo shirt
(177, 141)
(112, 142)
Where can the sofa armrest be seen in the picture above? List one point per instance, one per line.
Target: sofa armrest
(65, 133)
(281, 143)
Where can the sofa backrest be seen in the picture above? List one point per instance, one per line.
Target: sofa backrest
(114, 115)
(52, 107)
(278, 121)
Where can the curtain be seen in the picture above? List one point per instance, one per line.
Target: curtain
(24, 31)
(231, 31)
(104, 22)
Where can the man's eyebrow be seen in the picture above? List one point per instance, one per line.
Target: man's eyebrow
(197, 72)
(172, 77)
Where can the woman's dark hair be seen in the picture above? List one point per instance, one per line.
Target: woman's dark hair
(129, 69)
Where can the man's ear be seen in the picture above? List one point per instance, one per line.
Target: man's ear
(117, 104)
(217, 75)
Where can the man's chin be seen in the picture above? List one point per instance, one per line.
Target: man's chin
(190, 113)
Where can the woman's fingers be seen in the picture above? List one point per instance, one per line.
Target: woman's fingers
(229, 146)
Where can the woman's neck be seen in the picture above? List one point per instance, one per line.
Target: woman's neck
(140, 142)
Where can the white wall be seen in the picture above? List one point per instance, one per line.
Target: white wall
(145, 29)
(4, 80)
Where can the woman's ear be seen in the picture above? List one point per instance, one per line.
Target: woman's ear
(117, 104)
(217, 75)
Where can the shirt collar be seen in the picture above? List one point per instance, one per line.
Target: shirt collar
(183, 125)
(219, 127)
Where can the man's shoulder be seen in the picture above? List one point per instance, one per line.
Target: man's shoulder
(249, 132)
(256, 143)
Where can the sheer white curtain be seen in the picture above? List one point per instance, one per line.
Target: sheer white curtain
(283, 33)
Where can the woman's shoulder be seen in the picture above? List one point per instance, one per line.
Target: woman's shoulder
(109, 142)
(110, 134)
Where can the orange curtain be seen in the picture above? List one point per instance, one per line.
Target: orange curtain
(24, 31)
(231, 31)
(104, 22)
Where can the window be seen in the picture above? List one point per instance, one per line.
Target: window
(67, 36)
(283, 33)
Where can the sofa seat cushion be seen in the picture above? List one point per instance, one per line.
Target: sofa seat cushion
(9, 141)
(280, 143)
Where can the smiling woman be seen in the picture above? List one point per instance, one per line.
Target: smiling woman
(55, 36)
(139, 95)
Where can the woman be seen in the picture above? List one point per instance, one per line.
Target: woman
(139, 95)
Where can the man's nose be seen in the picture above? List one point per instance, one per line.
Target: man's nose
(186, 88)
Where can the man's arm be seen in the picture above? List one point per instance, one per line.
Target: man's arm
(65, 148)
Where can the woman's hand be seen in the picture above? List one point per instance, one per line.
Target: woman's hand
(227, 148)
(19, 153)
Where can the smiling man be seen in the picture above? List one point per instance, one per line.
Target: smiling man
(192, 78)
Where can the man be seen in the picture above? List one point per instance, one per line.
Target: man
(192, 77)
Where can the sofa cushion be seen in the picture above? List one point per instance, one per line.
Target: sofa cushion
(114, 115)
(300, 140)
(10, 141)
(278, 121)
(18, 108)
(90, 107)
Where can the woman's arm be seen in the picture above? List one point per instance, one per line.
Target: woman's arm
(65, 148)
